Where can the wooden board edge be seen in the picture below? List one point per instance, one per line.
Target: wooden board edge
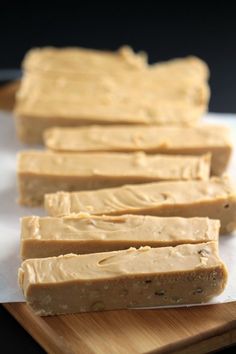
(214, 339)
(212, 344)
(7, 95)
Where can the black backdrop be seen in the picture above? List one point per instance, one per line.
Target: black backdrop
(164, 31)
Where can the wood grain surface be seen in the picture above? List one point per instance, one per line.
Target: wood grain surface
(7, 95)
(183, 330)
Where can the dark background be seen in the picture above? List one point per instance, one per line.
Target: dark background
(162, 31)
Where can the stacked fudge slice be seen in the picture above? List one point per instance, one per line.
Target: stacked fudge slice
(137, 201)
(75, 87)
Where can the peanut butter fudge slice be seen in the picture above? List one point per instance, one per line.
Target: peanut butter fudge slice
(215, 198)
(144, 277)
(148, 96)
(71, 61)
(196, 140)
(85, 233)
(76, 60)
(41, 172)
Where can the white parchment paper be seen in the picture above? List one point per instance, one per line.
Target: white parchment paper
(10, 212)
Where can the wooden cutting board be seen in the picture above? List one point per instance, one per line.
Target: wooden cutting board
(7, 95)
(185, 330)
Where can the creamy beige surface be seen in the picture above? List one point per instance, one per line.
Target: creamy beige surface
(84, 233)
(151, 139)
(81, 60)
(63, 88)
(215, 199)
(128, 99)
(114, 165)
(121, 279)
(72, 61)
(41, 172)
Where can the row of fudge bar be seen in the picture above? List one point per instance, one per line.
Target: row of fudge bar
(91, 265)
(83, 278)
(87, 158)
(175, 252)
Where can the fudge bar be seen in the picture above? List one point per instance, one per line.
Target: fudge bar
(215, 198)
(100, 94)
(143, 277)
(85, 233)
(197, 140)
(82, 61)
(79, 61)
(41, 172)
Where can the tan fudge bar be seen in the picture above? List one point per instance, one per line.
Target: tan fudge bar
(152, 139)
(184, 274)
(104, 95)
(73, 61)
(79, 61)
(215, 199)
(43, 102)
(84, 233)
(41, 172)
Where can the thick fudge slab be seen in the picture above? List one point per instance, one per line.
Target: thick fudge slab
(215, 198)
(82, 61)
(84, 233)
(79, 61)
(41, 172)
(196, 140)
(55, 94)
(184, 274)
